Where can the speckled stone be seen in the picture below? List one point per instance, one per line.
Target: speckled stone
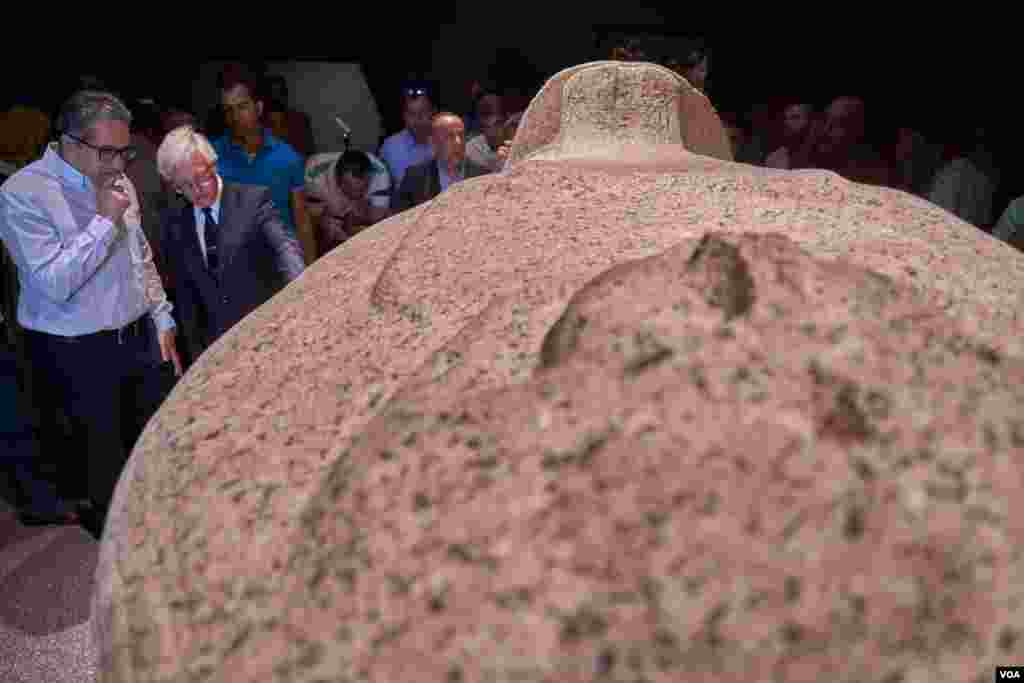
(621, 408)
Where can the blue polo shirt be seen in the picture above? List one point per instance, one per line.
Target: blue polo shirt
(277, 165)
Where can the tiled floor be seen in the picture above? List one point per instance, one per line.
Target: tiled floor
(46, 577)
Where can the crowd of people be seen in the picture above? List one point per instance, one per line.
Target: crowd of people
(960, 177)
(133, 240)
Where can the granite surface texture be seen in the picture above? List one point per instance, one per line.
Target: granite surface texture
(625, 409)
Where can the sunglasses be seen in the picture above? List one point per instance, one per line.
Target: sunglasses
(415, 92)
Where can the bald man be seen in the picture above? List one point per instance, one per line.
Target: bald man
(450, 165)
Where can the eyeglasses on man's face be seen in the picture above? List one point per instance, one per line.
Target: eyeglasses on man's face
(108, 155)
(416, 92)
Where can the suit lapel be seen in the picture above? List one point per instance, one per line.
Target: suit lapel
(189, 240)
(230, 234)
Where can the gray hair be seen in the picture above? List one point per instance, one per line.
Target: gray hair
(87, 107)
(178, 146)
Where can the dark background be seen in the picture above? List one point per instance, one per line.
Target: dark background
(941, 74)
(946, 77)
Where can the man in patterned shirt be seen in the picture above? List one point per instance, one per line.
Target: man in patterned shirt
(345, 193)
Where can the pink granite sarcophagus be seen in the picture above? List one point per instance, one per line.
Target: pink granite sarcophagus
(625, 411)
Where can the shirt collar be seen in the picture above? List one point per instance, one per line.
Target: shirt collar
(65, 170)
(269, 142)
(215, 207)
(459, 174)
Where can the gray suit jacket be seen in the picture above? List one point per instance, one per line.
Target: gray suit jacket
(259, 255)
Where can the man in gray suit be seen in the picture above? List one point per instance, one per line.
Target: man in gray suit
(450, 165)
(227, 250)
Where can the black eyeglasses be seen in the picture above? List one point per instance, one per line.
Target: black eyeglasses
(108, 155)
(415, 92)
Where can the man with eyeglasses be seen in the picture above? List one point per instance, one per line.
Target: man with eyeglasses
(92, 305)
(228, 251)
(411, 145)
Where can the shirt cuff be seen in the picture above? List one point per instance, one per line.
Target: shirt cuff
(163, 322)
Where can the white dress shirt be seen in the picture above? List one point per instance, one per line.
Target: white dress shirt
(201, 217)
(76, 269)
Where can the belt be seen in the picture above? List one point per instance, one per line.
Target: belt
(136, 328)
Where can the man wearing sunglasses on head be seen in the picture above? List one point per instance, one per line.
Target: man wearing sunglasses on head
(411, 145)
(92, 305)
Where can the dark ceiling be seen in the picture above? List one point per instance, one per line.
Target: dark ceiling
(945, 74)
(942, 74)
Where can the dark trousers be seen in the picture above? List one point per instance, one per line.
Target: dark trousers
(19, 445)
(107, 387)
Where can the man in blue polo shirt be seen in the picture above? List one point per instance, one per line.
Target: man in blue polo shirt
(249, 154)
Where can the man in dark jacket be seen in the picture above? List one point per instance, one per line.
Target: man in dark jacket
(228, 250)
(425, 181)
